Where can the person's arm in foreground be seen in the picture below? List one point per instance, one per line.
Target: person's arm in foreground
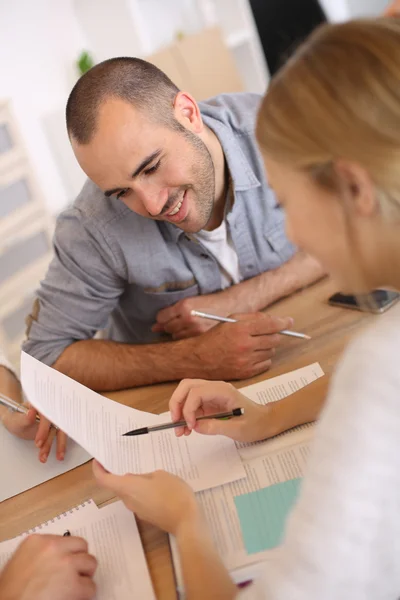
(24, 425)
(193, 398)
(203, 571)
(49, 567)
(248, 296)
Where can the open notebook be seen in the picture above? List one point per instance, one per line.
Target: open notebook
(114, 539)
(266, 463)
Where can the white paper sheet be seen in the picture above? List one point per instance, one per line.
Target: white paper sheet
(219, 508)
(113, 537)
(21, 470)
(98, 423)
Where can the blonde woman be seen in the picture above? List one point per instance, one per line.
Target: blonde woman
(329, 129)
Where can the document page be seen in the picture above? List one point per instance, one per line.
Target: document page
(272, 390)
(97, 424)
(113, 537)
(219, 506)
(22, 469)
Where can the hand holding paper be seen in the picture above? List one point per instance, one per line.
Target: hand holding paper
(98, 423)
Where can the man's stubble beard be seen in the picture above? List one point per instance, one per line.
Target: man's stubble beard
(203, 172)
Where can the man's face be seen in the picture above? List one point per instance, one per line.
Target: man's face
(159, 173)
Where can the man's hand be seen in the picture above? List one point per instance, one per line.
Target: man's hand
(45, 567)
(239, 350)
(393, 10)
(178, 321)
(26, 427)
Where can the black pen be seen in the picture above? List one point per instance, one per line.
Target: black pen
(236, 412)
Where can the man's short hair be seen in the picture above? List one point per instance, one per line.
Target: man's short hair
(131, 79)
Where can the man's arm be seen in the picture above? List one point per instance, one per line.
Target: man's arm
(261, 291)
(231, 351)
(246, 297)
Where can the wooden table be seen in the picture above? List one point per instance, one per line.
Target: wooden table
(330, 328)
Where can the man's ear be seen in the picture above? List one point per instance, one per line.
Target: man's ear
(187, 112)
(358, 186)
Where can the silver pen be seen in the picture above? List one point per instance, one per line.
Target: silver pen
(198, 313)
(17, 407)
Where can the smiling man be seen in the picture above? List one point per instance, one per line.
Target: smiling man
(176, 215)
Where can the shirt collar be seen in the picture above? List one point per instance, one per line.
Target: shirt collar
(242, 175)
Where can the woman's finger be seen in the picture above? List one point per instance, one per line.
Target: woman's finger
(42, 432)
(46, 447)
(178, 398)
(61, 444)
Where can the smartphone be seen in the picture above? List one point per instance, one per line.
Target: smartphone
(377, 301)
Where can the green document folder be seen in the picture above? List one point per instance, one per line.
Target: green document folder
(263, 514)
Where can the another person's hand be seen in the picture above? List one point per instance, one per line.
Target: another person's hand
(21, 425)
(45, 436)
(239, 350)
(393, 10)
(178, 321)
(158, 498)
(26, 427)
(197, 397)
(45, 567)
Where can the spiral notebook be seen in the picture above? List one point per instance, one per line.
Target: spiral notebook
(114, 539)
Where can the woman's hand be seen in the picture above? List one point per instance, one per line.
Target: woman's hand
(197, 397)
(159, 498)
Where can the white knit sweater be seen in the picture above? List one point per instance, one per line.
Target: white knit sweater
(343, 537)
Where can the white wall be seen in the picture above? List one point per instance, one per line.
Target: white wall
(366, 8)
(340, 10)
(39, 42)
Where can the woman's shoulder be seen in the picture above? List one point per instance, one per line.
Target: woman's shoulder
(369, 370)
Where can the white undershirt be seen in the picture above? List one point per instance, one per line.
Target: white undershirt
(343, 537)
(220, 245)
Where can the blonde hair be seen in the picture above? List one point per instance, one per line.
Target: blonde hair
(339, 98)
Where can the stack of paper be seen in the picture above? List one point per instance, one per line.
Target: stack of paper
(230, 509)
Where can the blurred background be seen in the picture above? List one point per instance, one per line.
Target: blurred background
(206, 46)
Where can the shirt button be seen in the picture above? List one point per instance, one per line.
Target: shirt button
(250, 267)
